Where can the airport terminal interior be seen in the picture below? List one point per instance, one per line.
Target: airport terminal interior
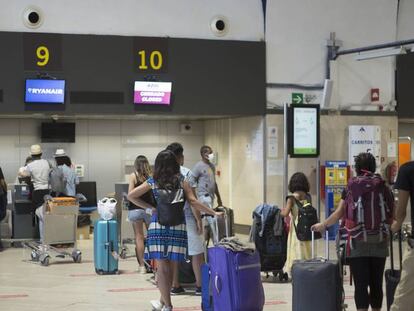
(252, 101)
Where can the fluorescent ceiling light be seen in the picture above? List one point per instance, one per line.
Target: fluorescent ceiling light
(380, 53)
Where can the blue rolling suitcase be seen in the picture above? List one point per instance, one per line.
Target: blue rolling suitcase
(105, 239)
(206, 294)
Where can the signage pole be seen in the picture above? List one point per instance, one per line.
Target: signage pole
(285, 149)
(318, 187)
(265, 159)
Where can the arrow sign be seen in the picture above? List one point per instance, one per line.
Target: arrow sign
(297, 98)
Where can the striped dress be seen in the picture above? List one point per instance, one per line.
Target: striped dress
(165, 242)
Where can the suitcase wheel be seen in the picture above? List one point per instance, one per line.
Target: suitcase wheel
(123, 253)
(77, 256)
(44, 260)
(34, 255)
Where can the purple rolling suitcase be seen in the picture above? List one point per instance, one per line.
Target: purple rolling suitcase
(235, 280)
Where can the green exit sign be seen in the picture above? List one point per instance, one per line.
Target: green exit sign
(297, 98)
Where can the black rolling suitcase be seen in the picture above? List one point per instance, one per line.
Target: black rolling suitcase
(392, 276)
(317, 283)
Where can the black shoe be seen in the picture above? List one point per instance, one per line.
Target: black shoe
(198, 291)
(177, 290)
(1, 247)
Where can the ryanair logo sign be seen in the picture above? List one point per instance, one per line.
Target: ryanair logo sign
(45, 91)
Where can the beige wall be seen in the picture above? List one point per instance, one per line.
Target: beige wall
(241, 168)
(334, 146)
(240, 162)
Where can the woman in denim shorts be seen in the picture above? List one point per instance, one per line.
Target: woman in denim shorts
(136, 215)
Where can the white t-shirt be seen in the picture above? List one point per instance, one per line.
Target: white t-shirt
(39, 171)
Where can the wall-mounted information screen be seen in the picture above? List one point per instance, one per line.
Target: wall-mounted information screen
(152, 93)
(304, 131)
(53, 132)
(45, 91)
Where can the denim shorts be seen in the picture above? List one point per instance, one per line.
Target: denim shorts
(138, 214)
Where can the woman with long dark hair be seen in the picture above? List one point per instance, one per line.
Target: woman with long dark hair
(366, 257)
(166, 243)
(137, 215)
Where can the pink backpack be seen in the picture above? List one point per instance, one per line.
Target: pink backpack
(369, 208)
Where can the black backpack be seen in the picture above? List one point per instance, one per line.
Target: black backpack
(272, 248)
(170, 206)
(307, 217)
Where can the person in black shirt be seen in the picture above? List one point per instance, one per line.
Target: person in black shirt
(404, 294)
(3, 201)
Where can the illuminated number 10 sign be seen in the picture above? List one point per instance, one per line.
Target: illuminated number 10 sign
(150, 55)
(155, 60)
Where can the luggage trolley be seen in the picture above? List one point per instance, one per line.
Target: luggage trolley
(59, 231)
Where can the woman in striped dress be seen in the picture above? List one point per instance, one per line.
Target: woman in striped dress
(166, 243)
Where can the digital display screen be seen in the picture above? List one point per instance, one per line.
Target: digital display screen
(58, 132)
(152, 93)
(45, 91)
(304, 131)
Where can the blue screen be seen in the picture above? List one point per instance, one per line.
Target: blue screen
(45, 91)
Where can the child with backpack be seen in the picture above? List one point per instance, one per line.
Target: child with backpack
(366, 210)
(298, 246)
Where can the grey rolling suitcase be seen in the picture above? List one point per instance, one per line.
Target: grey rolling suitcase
(317, 283)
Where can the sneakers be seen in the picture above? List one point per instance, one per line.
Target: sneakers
(198, 291)
(157, 305)
(177, 290)
(142, 270)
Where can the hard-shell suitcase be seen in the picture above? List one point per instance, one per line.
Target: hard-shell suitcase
(392, 276)
(206, 297)
(235, 280)
(206, 289)
(105, 240)
(317, 283)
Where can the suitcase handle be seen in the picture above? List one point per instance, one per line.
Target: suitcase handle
(326, 245)
(217, 284)
(392, 250)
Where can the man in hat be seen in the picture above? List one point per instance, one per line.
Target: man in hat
(38, 170)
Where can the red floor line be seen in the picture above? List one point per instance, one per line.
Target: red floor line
(128, 290)
(13, 296)
(125, 272)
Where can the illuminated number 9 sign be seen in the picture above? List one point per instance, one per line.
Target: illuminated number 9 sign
(42, 54)
(42, 51)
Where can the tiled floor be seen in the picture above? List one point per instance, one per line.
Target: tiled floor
(65, 285)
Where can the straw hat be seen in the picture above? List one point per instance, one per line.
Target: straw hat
(35, 150)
